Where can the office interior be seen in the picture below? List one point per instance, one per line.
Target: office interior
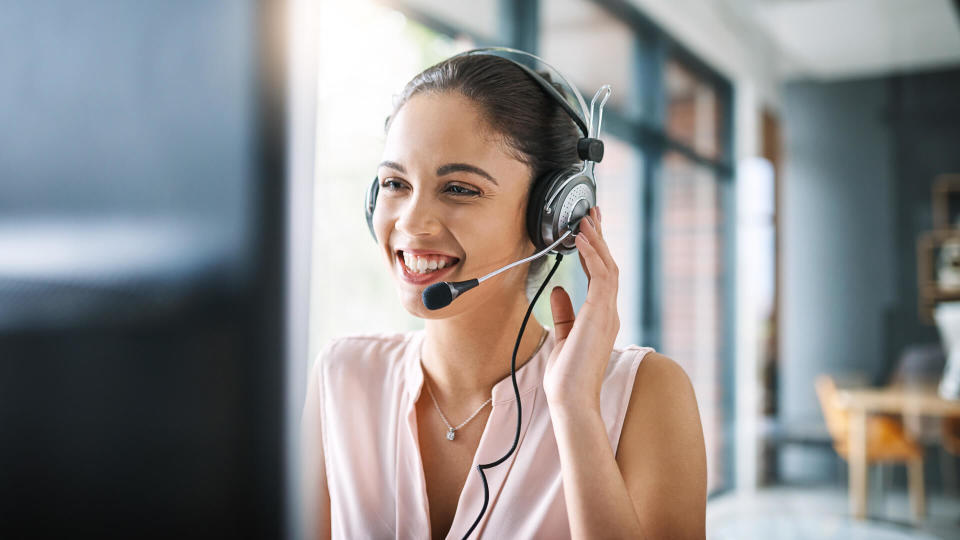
(180, 233)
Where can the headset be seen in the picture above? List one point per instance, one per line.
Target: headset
(558, 201)
(560, 198)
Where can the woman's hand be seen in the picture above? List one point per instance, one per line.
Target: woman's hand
(578, 362)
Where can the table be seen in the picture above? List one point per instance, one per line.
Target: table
(912, 400)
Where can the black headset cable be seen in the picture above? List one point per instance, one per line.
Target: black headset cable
(516, 391)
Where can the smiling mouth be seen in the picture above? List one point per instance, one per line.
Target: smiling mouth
(421, 267)
(425, 264)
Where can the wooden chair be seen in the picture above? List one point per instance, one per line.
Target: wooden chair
(951, 435)
(949, 444)
(886, 441)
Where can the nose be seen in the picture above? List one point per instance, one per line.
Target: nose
(418, 216)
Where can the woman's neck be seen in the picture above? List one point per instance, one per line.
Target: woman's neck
(466, 355)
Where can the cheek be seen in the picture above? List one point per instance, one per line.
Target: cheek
(516, 221)
(382, 222)
(501, 237)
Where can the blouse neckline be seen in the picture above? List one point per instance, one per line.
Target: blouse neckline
(529, 375)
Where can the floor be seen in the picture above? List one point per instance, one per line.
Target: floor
(791, 513)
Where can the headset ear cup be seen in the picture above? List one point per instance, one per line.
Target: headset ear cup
(538, 199)
(370, 204)
(537, 215)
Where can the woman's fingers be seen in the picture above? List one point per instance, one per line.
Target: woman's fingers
(577, 240)
(583, 263)
(562, 309)
(603, 276)
(592, 242)
(600, 243)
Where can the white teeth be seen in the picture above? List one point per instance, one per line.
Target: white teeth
(423, 265)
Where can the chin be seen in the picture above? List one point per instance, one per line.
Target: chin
(412, 303)
(414, 306)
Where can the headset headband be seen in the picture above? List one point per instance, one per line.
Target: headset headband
(580, 118)
(588, 147)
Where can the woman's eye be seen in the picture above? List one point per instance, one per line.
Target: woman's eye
(460, 190)
(391, 185)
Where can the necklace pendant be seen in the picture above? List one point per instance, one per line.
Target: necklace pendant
(450, 435)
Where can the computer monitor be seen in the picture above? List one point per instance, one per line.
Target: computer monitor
(147, 269)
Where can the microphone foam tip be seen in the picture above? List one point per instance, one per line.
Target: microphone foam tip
(438, 295)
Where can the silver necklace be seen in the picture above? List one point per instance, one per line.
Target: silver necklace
(451, 431)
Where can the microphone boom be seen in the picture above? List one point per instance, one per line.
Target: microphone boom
(441, 294)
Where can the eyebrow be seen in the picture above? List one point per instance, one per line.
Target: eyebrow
(447, 169)
(464, 167)
(393, 165)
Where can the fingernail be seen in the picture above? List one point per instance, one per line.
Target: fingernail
(582, 234)
(599, 216)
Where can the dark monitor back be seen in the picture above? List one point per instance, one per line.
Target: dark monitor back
(140, 280)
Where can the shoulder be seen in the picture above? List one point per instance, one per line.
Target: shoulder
(661, 391)
(653, 382)
(658, 373)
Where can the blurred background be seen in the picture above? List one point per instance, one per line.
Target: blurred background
(181, 232)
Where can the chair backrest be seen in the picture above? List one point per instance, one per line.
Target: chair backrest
(951, 435)
(837, 419)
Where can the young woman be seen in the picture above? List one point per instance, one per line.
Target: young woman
(395, 424)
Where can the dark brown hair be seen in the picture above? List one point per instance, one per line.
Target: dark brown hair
(533, 126)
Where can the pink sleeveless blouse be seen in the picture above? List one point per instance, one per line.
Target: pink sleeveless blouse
(367, 387)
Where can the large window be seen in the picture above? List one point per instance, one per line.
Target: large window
(691, 310)
(592, 47)
(618, 190)
(693, 259)
(368, 52)
(478, 19)
(694, 111)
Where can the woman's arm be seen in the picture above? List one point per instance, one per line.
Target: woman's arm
(314, 488)
(598, 502)
(656, 487)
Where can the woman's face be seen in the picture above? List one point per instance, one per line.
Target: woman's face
(452, 197)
